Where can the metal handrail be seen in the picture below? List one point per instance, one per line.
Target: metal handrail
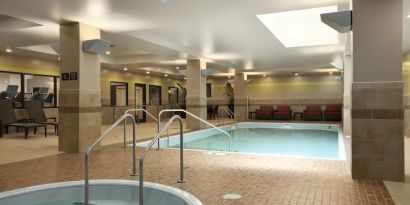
(181, 155)
(196, 117)
(125, 121)
(90, 148)
(229, 111)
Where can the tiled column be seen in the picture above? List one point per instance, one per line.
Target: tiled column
(347, 97)
(377, 91)
(196, 93)
(80, 100)
(240, 96)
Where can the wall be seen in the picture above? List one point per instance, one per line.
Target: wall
(25, 64)
(406, 79)
(293, 90)
(107, 76)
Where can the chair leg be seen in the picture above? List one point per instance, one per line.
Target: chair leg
(25, 133)
(1, 131)
(45, 131)
(35, 130)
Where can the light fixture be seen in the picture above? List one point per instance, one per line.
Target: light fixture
(408, 16)
(229, 76)
(177, 68)
(185, 78)
(59, 58)
(108, 52)
(147, 72)
(264, 75)
(9, 50)
(166, 75)
(295, 74)
(125, 68)
(300, 28)
(330, 73)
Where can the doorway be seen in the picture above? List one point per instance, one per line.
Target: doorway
(119, 94)
(140, 101)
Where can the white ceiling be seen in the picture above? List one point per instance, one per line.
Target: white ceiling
(164, 33)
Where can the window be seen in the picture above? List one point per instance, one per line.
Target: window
(155, 95)
(119, 94)
(208, 90)
(40, 88)
(10, 88)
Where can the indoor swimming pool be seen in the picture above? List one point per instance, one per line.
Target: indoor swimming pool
(298, 140)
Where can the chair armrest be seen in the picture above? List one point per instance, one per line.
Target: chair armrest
(52, 118)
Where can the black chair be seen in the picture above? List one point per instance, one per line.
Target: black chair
(8, 119)
(36, 113)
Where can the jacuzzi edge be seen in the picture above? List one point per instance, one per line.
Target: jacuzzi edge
(44, 187)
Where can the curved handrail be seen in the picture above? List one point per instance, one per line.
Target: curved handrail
(181, 155)
(196, 117)
(125, 121)
(91, 147)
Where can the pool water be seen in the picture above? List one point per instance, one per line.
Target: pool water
(313, 141)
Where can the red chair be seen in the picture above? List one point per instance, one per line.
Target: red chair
(333, 112)
(265, 112)
(312, 112)
(283, 112)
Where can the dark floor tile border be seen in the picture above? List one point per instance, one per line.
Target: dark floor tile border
(79, 109)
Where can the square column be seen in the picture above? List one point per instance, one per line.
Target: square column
(240, 97)
(80, 100)
(196, 101)
(377, 91)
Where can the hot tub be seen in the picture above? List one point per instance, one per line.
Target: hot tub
(102, 192)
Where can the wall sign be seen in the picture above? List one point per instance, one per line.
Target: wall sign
(69, 76)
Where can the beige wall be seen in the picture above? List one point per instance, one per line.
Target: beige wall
(299, 90)
(109, 75)
(25, 64)
(406, 79)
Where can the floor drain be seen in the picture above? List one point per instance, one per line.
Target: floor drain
(232, 196)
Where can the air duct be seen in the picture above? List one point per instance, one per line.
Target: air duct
(96, 46)
(207, 72)
(341, 21)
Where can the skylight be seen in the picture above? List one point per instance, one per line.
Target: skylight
(301, 28)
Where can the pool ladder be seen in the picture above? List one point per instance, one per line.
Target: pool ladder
(125, 120)
(222, 109)
(91, 147)
(195, 117)
(181, 155)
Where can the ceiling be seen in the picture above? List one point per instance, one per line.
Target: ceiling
(159, 35)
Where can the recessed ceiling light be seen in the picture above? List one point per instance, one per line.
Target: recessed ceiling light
(59, 58)
(330, 73)
(185, 78)
(166, 75)
(177, 68)
(147, 72)
(108, 52)
(125, 68)
(408, 16)
(295, 74)
(264, 75)
(300, 28)
(229, 76)
(9, 50)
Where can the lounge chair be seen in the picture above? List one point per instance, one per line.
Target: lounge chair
(265, 112)
(8, 119)
(283, 112)
(36, 112)
(312, 112)
(333, 112)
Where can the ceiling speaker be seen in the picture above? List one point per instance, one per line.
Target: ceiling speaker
(340, 21)
(207, 72)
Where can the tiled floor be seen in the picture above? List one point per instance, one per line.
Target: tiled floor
(259, 179)
(14, 148)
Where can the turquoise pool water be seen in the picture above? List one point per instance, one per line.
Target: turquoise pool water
(299, 140)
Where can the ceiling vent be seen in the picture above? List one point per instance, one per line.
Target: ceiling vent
(340, 21)
(96, 46)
